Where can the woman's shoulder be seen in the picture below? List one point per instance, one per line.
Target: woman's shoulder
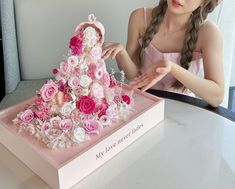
(209, 29)
(209, 32)
(138, 18)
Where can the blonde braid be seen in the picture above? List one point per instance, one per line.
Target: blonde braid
(157, 17)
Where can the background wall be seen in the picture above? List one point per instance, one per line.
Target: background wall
(50, 24)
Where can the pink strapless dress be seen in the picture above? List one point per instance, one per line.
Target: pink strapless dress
(153, 55)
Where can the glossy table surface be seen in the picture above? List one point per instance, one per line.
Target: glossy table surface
(193, 148)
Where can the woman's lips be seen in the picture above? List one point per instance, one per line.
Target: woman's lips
(175, 3)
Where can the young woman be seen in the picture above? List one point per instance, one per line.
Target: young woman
(167, 45)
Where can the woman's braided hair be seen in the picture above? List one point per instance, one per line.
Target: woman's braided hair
(197, 17)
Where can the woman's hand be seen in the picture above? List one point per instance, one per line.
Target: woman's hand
(152, 75)
(111, 50)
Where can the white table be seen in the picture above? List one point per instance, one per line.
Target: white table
(192, 149)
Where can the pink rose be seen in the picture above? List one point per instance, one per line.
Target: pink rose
(126, 99)
(117, 99)
(65, 68)
(43, 114)
(86, 105)
(66, 125)
(49, 91)
(63, 87)
(91, 126)
(75, 45)
(73, 61)
(74, 82)
(38, 101)
(27, 116)
(102, 108)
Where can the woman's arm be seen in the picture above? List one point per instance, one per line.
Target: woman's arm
(211, 87)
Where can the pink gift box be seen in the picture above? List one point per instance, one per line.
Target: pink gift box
(62, 168)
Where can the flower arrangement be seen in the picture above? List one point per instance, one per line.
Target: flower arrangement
(82, 100)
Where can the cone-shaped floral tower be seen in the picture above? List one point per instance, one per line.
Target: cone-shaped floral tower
(82, 99)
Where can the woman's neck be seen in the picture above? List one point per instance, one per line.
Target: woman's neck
(173, 22)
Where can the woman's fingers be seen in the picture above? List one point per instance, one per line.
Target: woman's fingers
(140, 84)
(161, 70)
(114, 53)
(107, 54)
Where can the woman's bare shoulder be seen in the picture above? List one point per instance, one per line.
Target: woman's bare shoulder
(209, 33)
(137, 19)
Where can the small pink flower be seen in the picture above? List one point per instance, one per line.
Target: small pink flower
(65, 68)
(126, 99)
(45, 126)
(75, 45)
(55, 121)
(91, 126)
(113, 82)
(49, 91)
(63, 87)
(86, 105)
(73, 61)
(38, 101)
(76, 72)
(67, 97)
(66, 125)
(54, 71)
(73, 82)
(43, 114)
(117, 99)
(102, 108)
(27, 116)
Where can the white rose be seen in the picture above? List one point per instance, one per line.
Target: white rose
(85, 92)
(97, 90)
(67, 108)
(79, 135)
(105, 120)
(96, 52)
(99, 73)
(90, 42)
(55, 120)
(89, 32)
(85, 81)
(73, 61)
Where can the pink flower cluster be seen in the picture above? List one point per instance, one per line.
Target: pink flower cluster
(81, 100)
